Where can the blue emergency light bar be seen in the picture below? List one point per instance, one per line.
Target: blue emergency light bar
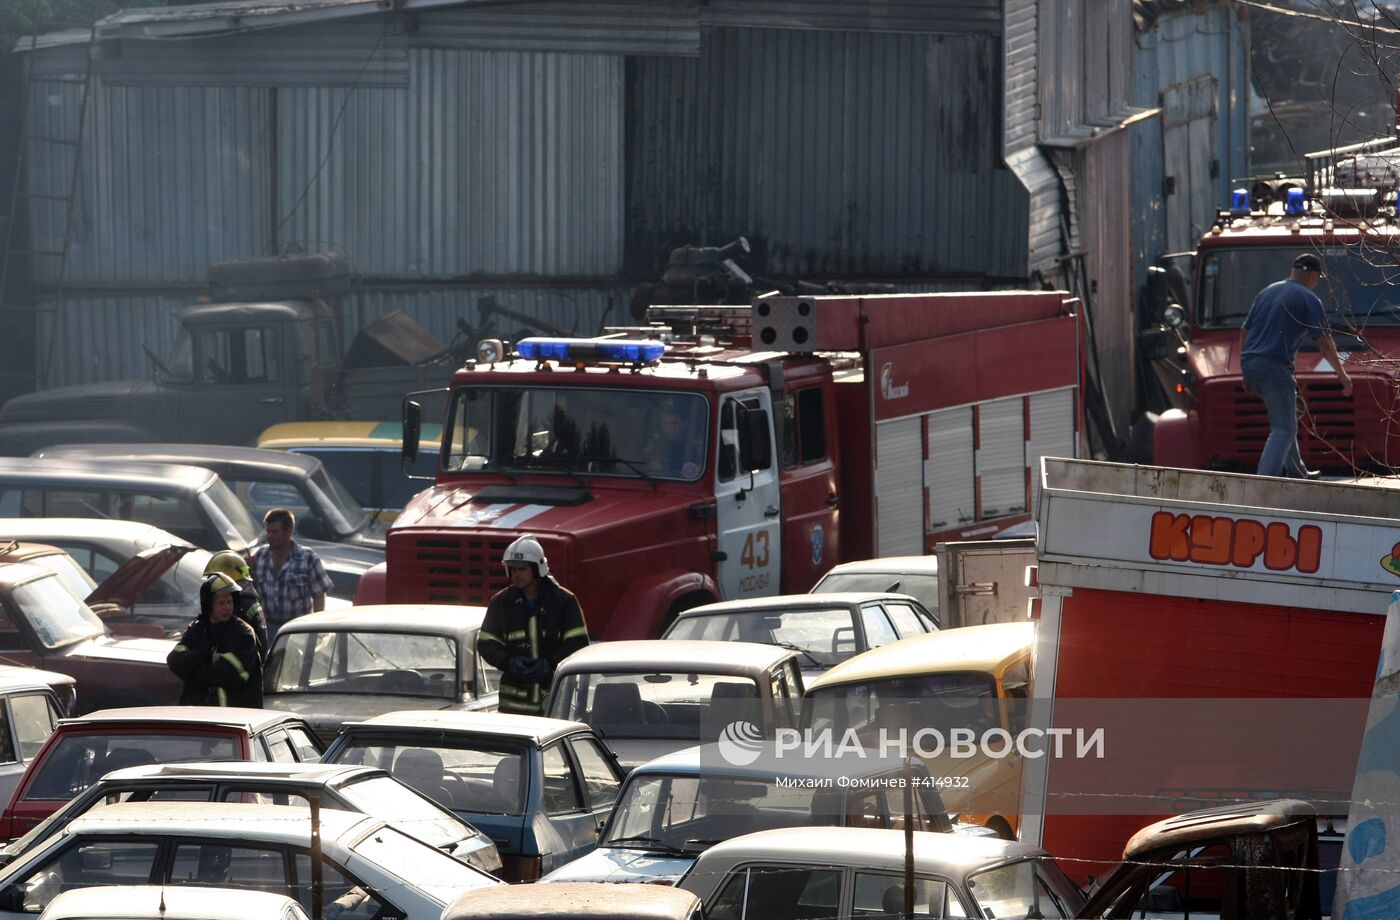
(1239, 202)
(1296, 203)
(629, 351)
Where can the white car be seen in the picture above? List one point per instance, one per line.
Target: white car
(916, 576)
(157, 902)
(368, 868)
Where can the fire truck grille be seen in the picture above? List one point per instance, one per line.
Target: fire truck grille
(1334, 432)
(446, 569)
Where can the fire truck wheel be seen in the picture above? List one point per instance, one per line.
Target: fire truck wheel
(682, 604)
(1002, 828)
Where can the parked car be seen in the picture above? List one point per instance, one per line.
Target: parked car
(674, 808)
(844, 873)
(823, 629)
(367, 457)
(367, 866)
(158, 902)
(337, 666)
(191, 502)
(31, 704)
(540, 787)
(100, 547)
(114, 600)
(262, 480)
(916, 576)
(975, 677)
(44, 626)
(650, 697)
(83, 750)
(364, 789)
(580, 901)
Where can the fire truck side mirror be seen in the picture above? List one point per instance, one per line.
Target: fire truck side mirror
(412, 427)
(755, 442)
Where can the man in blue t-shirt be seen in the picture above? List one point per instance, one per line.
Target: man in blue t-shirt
(1282, 314)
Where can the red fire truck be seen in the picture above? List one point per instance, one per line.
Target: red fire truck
(741, 451)
(1345, 211)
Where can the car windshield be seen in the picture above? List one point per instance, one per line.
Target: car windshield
(56, 616)
(923, 588)
(465, 775)
(688, 812)
(943, 702)
(323, 511)
(348, 515)
(79, 759)
(658, 704)
(364, 662)
(615, 432)
(431, 871)
(390, 800)
(231, 516)
(71, 575)
(1361, 287)
(824, 636)
(1026, 888)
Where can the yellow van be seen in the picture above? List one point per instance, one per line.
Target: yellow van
(367, 457)
(909, 695)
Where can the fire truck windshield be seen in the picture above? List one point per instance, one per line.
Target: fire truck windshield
(1361, 287)
(644, 434)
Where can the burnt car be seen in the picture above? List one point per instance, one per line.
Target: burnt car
(345, 665)
(43, 625)
(83, 750)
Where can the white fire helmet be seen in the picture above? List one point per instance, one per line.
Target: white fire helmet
(527, 549)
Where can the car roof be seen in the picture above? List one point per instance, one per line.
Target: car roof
(536, 729)
(12, 550)
(675, 655)
(176, 902)
(903, 565)
(950, 855)
(286, 311)
(251, 720)
(97, 529)
(17, 677)
(279, 823)
(320, 773)
(244, 460)
(17, 573)
(708, 760)
(758, 605)
(597, 900)
(434, 618)
(967, 648)
(96, 472)
(341, 434)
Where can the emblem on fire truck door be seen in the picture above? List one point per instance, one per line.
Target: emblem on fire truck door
(888, 388)
(818, 544)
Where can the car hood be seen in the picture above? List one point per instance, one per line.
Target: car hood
(614, 864)
(347, 557)
(328, 711)
(84, 401)
(133, 577)
(561, 510)
(108, 648)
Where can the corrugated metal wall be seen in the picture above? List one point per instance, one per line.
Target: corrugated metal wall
(836, 153)
(1181, 48)
(1103, 179)
(1020, 56)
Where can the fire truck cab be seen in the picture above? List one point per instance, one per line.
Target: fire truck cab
(736, 452)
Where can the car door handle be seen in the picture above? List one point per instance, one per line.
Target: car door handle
(272, 400)
(771, 511)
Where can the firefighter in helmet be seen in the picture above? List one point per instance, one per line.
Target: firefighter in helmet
(248, 607)
(217, 657)
(530, 627)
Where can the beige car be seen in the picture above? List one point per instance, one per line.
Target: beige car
(974, 677)
(576, 901)
(157, 902)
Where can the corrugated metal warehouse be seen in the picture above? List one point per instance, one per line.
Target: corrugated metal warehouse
(551, 154)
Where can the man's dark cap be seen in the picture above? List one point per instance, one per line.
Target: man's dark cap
(1309, 262)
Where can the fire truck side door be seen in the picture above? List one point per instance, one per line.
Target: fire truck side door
(749, 519)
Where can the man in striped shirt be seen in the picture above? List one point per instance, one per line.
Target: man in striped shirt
(290, 578)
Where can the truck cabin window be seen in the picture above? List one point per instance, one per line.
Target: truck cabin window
(1361, 287)
(615, 432)
(236, 356)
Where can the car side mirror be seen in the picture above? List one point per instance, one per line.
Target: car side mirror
(412, 430)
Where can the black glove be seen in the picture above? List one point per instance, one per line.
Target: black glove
(518, 667)
(538, 671)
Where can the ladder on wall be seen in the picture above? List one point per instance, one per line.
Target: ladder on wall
(31, 208)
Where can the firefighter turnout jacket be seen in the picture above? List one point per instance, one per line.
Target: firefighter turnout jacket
(541, 634)
(219, 663)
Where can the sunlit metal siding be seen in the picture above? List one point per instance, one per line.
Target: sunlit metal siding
(1103, 170)
(575, 310)
(1020, 56)
(665, 200)
(858, 153)
(497, 163)
(591, 26)
(861, 15)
